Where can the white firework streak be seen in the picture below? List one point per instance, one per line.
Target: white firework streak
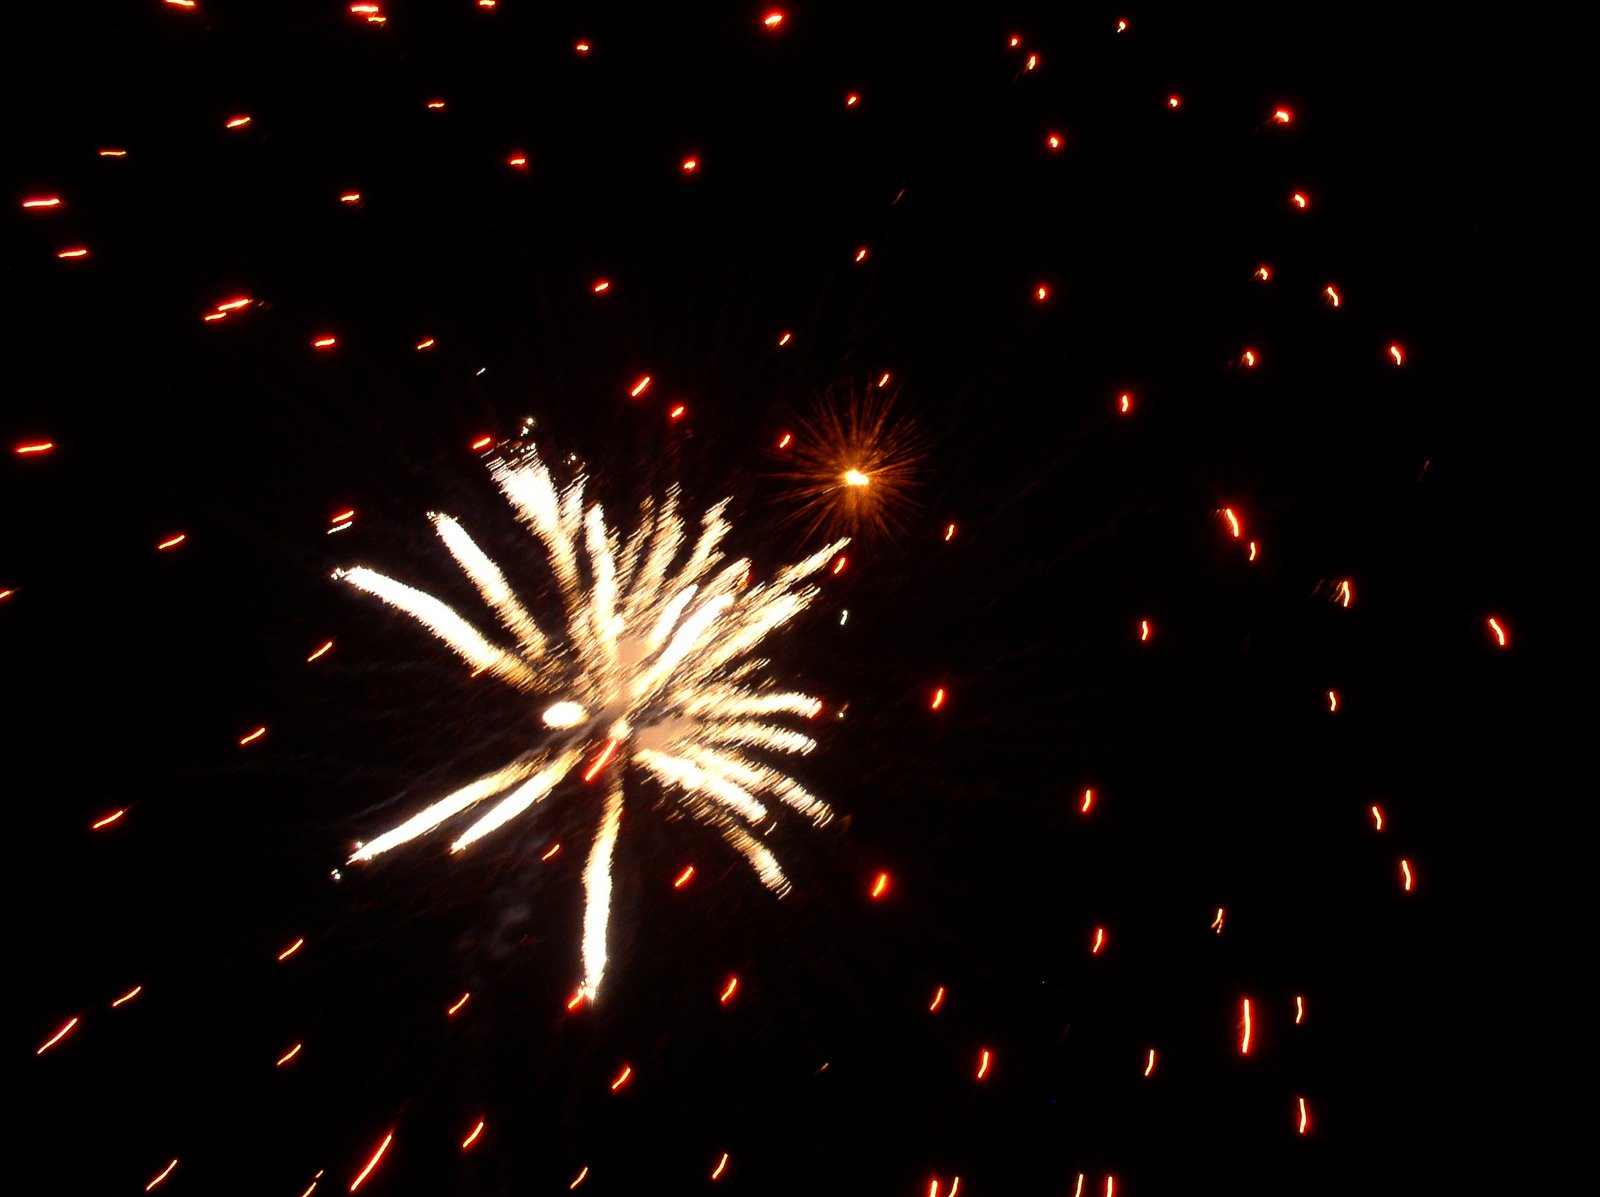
(655, 669)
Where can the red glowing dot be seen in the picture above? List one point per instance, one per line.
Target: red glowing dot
(482, 443)
(77, 251)
(1041, 293)
(851, 100)
(1263, 272)
(1124, 403)
(880, 885)
(1174, 101)
(1396, 353)
(252, 737)
(324, 342)
(677, 412)
(1052, 141)
(1248, 358)
(684, 877)
(690, 165)
(237, 122)
(34, 447)
(639, 387)
(773, 19)
(1498, 631)
(1282, 116)
(1300, 200)
(1122, 26)
(582, 47)
(1013, 41)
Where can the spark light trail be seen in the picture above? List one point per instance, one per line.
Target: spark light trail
(657, 668)
(372, 1163)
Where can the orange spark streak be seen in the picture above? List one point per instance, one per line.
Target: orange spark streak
(949, 532)
(677, 412)
(622, 1077)
(107, 820)
(435, 103)
(1233, 521)
(683, 878)
(773, 19)
(237, 122)
(722, 1164)
(291, 949)
(983, 1064)
(1282, 116)
(35, 447)
(460, 1002)
(289, 1055)
(483, 442)
(838, 566)
(1041, 293)
(517, 161)
(851, 100)
(690, 165)
(113, 153)
(1377, 817)
(578, 1179)
(427, 344)
(1248, 357)
(1263, 273)
(575, 1000)
(727, 994)
(1333, 295)
(1405, 873)
(603, 759)
(1252, 556)
(880, 885)
(473, 1137)
(253, 736)
(883, 380)
(938, 699)
(785, 339)
(1345, 593)
(1395, 352)
(1078, 1188)
(1305, 1117)
(601, 285)
(1499, 632)
(1333, 701)
(1216, 923)
(173, 542)
(350, 197)
(1299, 1009)
(1150, 1062)
(1088, 801)
(325, 648)
(43, 201)
(373, 1162)
(1099, 941)
(1244, 1041)
(1299, 200)
(76, 252)
(57, 1037)
(786, 440)
(1125, 403)
(127, 997)
(639, 387)
(938, 999)
(861, 254)
(348, 513)
(551, 851)
(582, 47)
(1144, 629)
(161, 1176)
(324, 342)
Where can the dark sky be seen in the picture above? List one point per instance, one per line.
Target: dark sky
(1221, 777)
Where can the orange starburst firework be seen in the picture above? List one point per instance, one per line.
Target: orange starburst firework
(854, 465)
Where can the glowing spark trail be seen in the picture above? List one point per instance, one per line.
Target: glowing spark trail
(655, 675)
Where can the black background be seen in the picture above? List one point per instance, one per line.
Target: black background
(1222, 780)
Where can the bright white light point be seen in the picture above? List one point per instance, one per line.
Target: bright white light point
(563, 715)
(854, 477)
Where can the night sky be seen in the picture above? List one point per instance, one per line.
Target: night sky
(1327, 482)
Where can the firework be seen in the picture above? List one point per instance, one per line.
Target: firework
(653, 669)
(852, 464)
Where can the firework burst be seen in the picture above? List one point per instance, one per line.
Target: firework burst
(852, 464)
(653, 670)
